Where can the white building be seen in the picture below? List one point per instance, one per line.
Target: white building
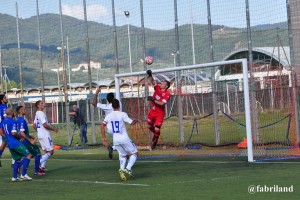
(84, 66)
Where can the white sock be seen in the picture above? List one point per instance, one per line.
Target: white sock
(43, 164)
(44, 159)
(12, 161)
(123, 161)
(131, 161)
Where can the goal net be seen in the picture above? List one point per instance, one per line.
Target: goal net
(208, 113)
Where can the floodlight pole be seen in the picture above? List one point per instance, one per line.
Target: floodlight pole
(193, 45)
(19, 54)
(1, 70)
(115, 37)
(69, 70)
(213, 82)
(89, 71)
(255, 132)
(40, 51)
(144, 52)
(64, 74)
(293, 63)
(127, 14)
(178, 82)
(174, 64)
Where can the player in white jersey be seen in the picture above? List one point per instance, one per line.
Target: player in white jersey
(115, 124)
(41, 125)
(107, 108)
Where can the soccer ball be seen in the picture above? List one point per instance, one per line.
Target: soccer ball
(149, 60)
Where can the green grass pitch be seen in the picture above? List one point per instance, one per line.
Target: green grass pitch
(89, 174)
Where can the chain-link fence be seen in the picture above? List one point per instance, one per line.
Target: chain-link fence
(156, 36)
(80, 41)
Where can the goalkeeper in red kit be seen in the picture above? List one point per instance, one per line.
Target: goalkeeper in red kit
(157, 113)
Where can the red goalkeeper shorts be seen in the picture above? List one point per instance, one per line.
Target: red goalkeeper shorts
(155, 118)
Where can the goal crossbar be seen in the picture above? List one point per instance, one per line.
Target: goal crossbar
(197, 66)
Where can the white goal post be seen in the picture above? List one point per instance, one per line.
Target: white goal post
(244, 64)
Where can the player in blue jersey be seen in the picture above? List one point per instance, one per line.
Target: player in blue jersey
(18, 151)
(27, 140)
(3, 107)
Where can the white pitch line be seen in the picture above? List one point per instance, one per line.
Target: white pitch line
(92, 182)
(276, 162)
(181, 182)
(180, 161)
(199, 180)
(227, 177)
(158, 161)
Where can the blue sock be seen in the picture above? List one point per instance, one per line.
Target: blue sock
(21, 162)
(1, 152)
(16, 166)
(25, 162)
(37, 163)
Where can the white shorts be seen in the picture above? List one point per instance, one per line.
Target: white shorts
(46, 143)
(126, 148)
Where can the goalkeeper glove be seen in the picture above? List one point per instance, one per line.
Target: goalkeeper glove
(149, 72)
(150, 98)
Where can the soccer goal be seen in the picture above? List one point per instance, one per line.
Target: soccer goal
(208, 112)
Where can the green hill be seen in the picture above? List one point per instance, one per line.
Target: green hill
(159, 44)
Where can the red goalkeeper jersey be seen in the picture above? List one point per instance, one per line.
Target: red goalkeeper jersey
(160, 96)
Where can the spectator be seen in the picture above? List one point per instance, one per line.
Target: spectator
(80, 122)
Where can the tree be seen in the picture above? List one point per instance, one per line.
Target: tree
(8, 85)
